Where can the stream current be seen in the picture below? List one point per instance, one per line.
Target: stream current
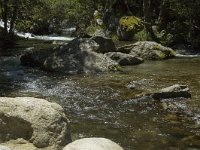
(103, 106)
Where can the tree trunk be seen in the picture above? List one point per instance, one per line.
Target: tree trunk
(5, 16)
(128, 9)
(14, 16)
(163, 12)
(147, 11)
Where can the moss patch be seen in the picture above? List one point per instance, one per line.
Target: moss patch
(131, 23)
(115, 68)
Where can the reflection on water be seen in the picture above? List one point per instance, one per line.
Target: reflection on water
(103, 105)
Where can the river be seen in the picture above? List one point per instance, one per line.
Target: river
(102, 105)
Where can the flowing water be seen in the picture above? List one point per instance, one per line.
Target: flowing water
(103, 105)
(66, 34)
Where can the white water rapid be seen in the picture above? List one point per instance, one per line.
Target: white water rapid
(37, 37)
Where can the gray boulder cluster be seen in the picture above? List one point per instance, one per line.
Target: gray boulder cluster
(79, 56)
(94, 55)
(28, 123)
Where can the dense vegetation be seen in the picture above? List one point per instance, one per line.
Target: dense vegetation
(171, 22)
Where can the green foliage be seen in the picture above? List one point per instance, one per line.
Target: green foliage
(92, 29)
(178, 18)
(42, 17)
(115, 68)
(141, 35)
(80, 12)
(131, 23)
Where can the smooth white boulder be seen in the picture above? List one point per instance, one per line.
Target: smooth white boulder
(4, 148)
(93, 144)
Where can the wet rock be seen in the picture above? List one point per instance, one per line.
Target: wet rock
(175, 91)
(93, 144)
(27, 58)
(79, 56)
(148, 50)
(58, 42)
(36, 120)
(105, 44)
(143, 84)
(124, 59)
(4, 148)
(35, 58)
(125, 49)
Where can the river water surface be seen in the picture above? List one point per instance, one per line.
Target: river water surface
(104, 106)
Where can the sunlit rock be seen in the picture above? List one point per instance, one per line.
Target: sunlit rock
(4, 148)
(93, 144)
(148, 50)
(36, 120)
(175, 91)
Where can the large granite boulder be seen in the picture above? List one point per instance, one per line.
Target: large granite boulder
(148, 50)
(36, 120)
(93, 144)
(79, 56)
(124, 59)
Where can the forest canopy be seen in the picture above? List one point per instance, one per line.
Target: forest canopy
(168, 21)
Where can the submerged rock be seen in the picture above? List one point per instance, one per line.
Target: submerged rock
(36, 120)
(148, 50)
(93, 144)
(124, 59)
(172, 92)
(175, 91)
(79, 56)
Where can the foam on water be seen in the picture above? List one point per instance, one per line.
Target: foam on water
(187, 56)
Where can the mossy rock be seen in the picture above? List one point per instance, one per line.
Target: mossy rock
(148, 50)
(131, 23)
(115, 68)
(92, 29)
